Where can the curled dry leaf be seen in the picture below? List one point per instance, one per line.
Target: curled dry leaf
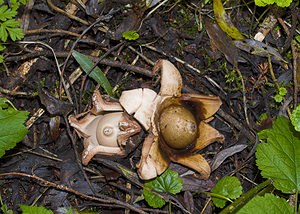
(224, 154)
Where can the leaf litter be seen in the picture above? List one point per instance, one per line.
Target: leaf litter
(172, 29)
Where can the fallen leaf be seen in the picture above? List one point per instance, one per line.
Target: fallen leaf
(221, 156)
(53, 105)
(224, 21)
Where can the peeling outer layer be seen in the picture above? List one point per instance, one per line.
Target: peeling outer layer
(100, 105)
(141, 103)
(171, 81)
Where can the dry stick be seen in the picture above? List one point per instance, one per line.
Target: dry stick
(58, 31)
(244, 95)
(17, 93)
(111, 63)
(66, 13)
(294, 51)
(105, 199)
(296, 63)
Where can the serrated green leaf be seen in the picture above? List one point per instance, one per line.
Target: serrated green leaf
(229, 187)
(6, 13)
(2, 47)
(295, 118)
(268, 203)
(169, 181)
(278, 98)
(15, 33)
(280, 3)
(153, 200)
(279, 158)
(130, 35)
(224, 21)
(34, 210)
(282, 91)
(12, 129)
(3, 33)
(86, 64)
(11, 23)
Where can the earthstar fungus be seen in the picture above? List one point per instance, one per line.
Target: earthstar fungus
(177, 125)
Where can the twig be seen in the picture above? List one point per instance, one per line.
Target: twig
(296, 63)
(17, 93)
(66, 13)
(108, 62)
(244, 94)
(104, 199)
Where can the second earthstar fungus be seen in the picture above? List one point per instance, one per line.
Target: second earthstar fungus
(176, 123)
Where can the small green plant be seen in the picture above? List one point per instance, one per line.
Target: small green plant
(12, 129)
(130, 35)
(227, 189)
(295, 118)
(280, 3)
(9, 26)
(279, 96)
(278, 159)
(169, 182)
(34, 209)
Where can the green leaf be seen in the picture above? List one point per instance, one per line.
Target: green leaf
(130, 35)
(224, 21)
(2, 47)
(278, 98)
(3, 33)
(279, 158)
(268, 203)
(297, 38)
(34, 210)
(280, 3)
(229, 187)
(153, 200)
(295, 118)
(282, 91)
(15, 33)
(11, 23)
(86, 64)
(12, 129)
(6, 13)
(169, 181)
(1, 58)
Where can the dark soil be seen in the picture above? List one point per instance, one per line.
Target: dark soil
(177, 31)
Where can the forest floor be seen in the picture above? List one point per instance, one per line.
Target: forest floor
(247, 80)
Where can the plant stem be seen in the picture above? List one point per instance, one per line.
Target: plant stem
(288, 110)
(237, 204)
